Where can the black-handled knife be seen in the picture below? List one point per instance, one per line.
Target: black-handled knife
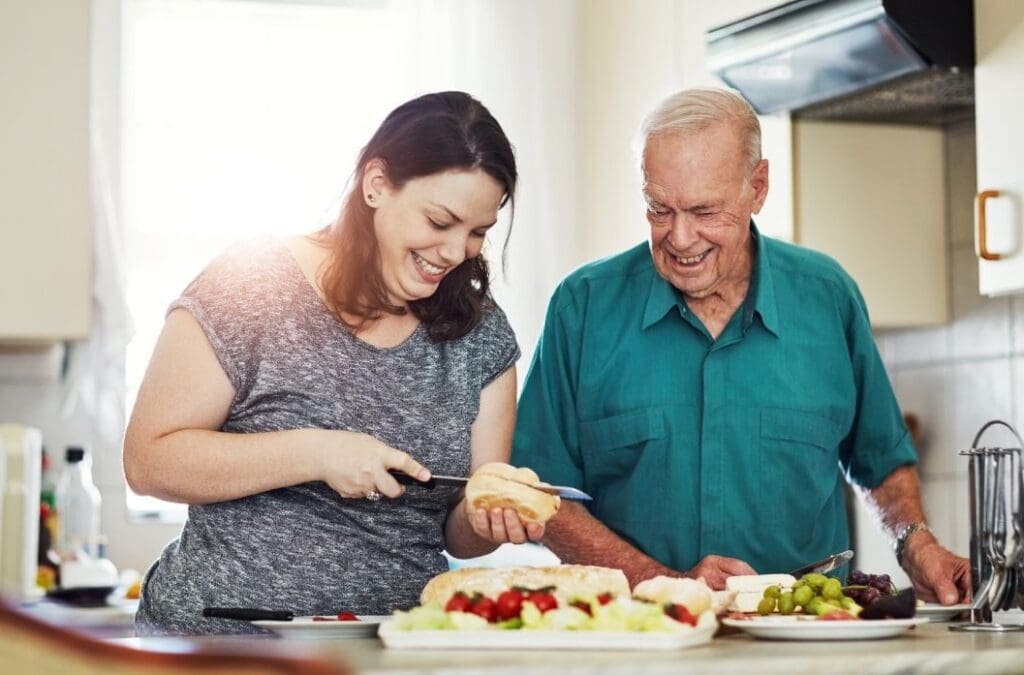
(460, 481)
(248, 614)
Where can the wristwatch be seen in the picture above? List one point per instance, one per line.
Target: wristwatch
(901, 538)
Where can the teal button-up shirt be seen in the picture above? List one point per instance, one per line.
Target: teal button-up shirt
(692, 446)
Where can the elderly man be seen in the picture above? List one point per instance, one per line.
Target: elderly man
(712, 390)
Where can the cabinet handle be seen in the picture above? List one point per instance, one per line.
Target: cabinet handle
(983, 251)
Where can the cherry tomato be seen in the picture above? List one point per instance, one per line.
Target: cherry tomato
(485, 607)
(347, 616)
(583, 606)
(544, 601)
(458, 603)
(604, 598)
(509, 605)
(680, 613)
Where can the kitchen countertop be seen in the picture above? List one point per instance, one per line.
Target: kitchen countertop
(931, 648)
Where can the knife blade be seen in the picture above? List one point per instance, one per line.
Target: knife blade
(824, 565)
(562, 491)
(248, 614)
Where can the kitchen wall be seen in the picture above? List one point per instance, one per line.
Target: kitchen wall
(954, 377)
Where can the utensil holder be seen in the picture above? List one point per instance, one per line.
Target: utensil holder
(996, 498)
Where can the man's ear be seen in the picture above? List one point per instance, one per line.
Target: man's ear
(375, 182)
(759, 182)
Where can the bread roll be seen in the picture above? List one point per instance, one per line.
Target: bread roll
(694, 595)
(500, 485)
(569, 581)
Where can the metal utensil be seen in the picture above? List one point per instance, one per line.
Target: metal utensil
(824, 565)
(248, 614)
(562, 491)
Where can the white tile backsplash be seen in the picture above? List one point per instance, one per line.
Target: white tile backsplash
(981, 392)
(1017, 324)
(917, 346)
(981, 325)
(923, 392)
(1017, 413)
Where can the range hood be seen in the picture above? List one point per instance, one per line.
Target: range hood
(867, 60)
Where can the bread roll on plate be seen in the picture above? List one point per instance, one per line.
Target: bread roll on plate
(694, 595)
(497, 484)
(569, 582)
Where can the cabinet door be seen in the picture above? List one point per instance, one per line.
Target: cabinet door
(45, 250)
(998, 80)
(872, 197)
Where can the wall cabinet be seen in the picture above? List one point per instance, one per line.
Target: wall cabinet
(998, 75)
(45, 250)
(872, 197)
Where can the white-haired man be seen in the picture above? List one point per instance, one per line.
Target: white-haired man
(712, 389)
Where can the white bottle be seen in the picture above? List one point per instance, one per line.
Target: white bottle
(78, 508)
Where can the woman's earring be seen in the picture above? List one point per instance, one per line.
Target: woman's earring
(370, 198)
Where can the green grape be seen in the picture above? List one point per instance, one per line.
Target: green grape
(772, 592)
(815, 581)
(786, 603)
(826, 607)
(832, 589)
(766, 606)
(802, 595)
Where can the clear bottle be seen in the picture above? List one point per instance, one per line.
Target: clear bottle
(78, 508)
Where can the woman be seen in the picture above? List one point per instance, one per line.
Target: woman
(293, 375)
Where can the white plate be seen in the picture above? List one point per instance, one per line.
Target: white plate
(305, 627)
(936, 612)
(808, 628)
(542, 639)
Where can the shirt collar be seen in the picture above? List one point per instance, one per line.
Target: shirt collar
(663, 296)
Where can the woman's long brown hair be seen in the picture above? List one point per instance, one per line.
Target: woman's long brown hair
(433, 133)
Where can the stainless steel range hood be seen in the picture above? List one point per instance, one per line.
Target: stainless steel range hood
(866, 60)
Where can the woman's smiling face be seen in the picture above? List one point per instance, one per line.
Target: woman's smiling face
(429, 226)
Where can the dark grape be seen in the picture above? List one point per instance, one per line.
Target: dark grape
(858, 578)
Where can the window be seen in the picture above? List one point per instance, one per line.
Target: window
(241, 118)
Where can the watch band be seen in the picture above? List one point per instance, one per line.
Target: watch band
(904, 534)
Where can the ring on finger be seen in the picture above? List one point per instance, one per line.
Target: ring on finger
(373, 496)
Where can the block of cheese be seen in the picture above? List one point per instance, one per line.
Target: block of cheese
(749, 589)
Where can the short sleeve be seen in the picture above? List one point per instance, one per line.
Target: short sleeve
(221, 299)
(879, 442)
(499, 349)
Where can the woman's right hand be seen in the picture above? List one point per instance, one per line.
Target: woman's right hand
(357, 464)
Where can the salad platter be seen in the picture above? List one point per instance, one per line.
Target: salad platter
(545, 639)
(565, 608)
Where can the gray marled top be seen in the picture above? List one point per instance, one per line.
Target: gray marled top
(293, 365)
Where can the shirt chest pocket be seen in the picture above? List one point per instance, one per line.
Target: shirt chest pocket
(799, 466)
(625, 461)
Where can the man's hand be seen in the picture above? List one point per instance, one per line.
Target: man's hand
(715, 569)
(937, 574)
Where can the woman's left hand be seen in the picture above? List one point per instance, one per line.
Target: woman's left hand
(501, 526)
